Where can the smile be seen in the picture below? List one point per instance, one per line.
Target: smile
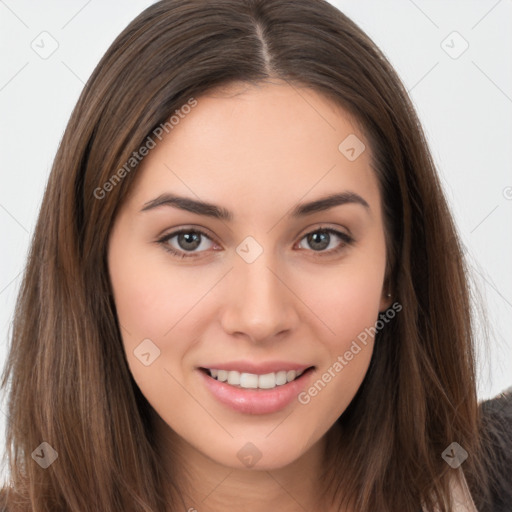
(253, 380)
(263, 392)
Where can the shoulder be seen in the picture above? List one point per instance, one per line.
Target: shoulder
(496, 433)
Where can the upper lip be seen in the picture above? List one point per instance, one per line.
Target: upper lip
(257, 368)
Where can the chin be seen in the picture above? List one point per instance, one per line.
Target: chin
(265, 453)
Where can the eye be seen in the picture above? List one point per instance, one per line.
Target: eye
(323, 238)
(187, 242)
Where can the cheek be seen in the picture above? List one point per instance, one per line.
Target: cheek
(347, 301)
(148, 304)
(157, 301)
(153, 312)
(347, 296)
(152, 296)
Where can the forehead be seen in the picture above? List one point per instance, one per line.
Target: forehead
(254, 146)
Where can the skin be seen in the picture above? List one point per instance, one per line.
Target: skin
(257, 151)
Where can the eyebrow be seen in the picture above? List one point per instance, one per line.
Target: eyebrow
(218, 212)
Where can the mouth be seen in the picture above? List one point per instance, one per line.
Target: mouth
(264, 392)
(245, 380)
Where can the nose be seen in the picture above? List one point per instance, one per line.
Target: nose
(259, 303)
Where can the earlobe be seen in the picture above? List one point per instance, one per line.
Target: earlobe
(385, 301)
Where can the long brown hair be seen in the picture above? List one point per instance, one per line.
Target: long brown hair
(70, 385)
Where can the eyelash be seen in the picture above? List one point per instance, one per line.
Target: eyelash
(346, 241)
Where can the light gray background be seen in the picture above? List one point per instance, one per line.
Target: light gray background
(464, 103)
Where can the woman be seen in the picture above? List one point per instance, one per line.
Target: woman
(312, 349)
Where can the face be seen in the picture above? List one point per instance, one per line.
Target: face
(267, 285)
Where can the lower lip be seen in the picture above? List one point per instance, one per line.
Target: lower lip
(256, 401)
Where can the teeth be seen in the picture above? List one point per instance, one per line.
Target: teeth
(233, 378)
(248, 380)
(290, 375)
(253, 381)
(281, 378)
(267, 381)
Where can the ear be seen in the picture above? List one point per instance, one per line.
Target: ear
(386, 298)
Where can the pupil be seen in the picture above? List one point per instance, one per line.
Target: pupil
(319, 240)
(188, 238)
